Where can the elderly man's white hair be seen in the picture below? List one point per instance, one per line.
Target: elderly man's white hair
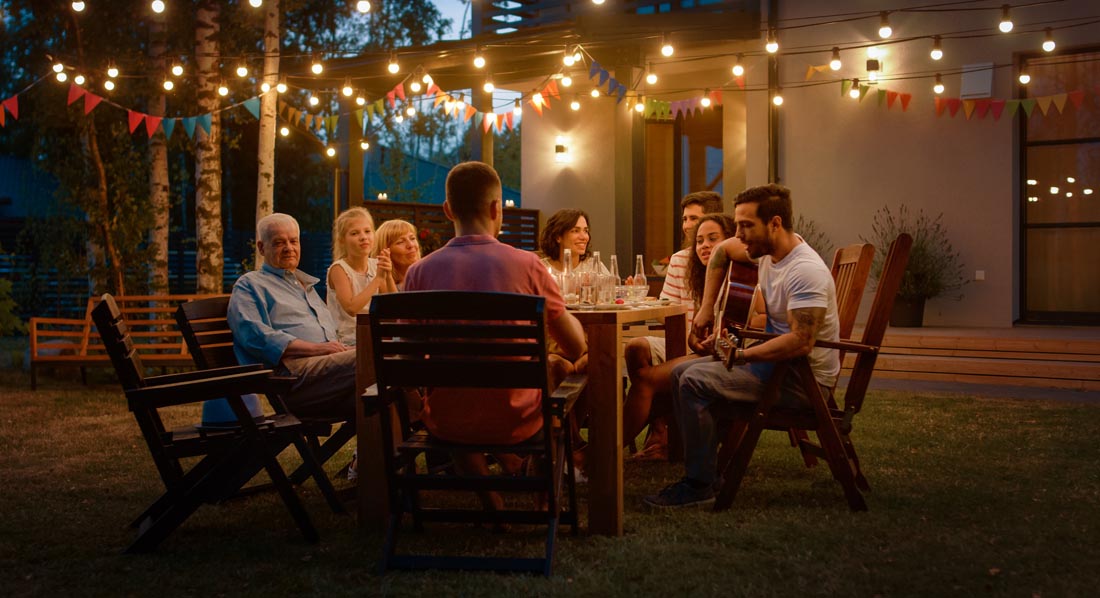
(271, 222)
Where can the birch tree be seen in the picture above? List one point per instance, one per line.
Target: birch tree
(158, 167)
(208, 171)
(265, 157)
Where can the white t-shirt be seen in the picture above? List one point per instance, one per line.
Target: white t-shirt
(800, 280)
(345, 324)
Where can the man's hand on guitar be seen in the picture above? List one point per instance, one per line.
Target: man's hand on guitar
(701, 325)
(701, 347)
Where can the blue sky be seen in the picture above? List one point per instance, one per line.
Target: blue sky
(453, 10)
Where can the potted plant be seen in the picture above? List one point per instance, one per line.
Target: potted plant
(935, 269)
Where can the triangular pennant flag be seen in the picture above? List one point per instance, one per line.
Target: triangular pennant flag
(845, 86)
(135, 119)
(997, 107)
(621, 93)
(330, 126)
(536, 103)
(433, 89)
(716, 97)
(982, 107)
(478, 118)
(1060, 101)
(553, 87)
(953, 105)
(881, 97)
(359, 118)
(1044, 103)
(439, 99)
(168, 124)
(905, 97)
(863, 89)
(489, 120)
(891, 97)
(205, 121)
(510, 120)
(1076, 97)
(189, 126)
(75, 91)
(810, 72)
(91, 100)
(1011, 106)
(604, 76)
(390, 97)
(968, 108)
(740, 82)
(309, 121)
(253, 107)
(318, 123)
(612, 84)
(12, 105)
(470, 112)
(2, 115)
(151, 124)
(294, 115)
(379, 106)
(593, 69)
(940, 105)
(1028, 105)
(399, 90)
(282, 108)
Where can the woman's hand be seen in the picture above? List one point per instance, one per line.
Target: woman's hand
(385, 265)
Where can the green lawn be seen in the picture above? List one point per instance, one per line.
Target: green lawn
(971, 497)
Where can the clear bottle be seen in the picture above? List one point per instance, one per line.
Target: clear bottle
(615, 270)
(612, 281)
(568, 279)
(641, 285)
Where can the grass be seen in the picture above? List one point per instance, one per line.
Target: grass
(971, 496)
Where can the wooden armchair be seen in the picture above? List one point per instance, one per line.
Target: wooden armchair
(469, 340)
(831, 424)
(229, 456)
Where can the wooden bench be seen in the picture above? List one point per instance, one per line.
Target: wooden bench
(73, 342)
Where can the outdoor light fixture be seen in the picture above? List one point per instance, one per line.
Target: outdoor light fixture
(281, 86)
(595, 92)
(562, 155)
(738, 69)
(109, 85)
(639, 106)
(363, 145)
(705, 101)
(78, 6)
(168, 85)
(112, 70)
(1048, 43)
(347, 90)
(650, 76)
(773, 44)
(566, 80)
(79, 79)
(414, 86)
(330, 152)
(157, 6)
(360, 101)
(362, 6)
(255, 3)
(62, 77)
(265, 87)
(854, 91)
(393, 67)
(575, 104)
(1006, 20)
(884, 28)
(411, 111)
(223, 90)
(314, 100)
(938, 86)
(242, 71)
(177, 69)
(666, 47)
(937, 48)
(777, 99)
(835, 62)
(479, 60)
(488, 86)
(284, 131)
(58, 67)
(1024, 78)
(317, 67)
(517, 109)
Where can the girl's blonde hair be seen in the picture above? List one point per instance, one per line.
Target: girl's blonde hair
(389, 232)
(340, 228)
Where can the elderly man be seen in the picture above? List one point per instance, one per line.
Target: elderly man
(278, 320)
(800, 304)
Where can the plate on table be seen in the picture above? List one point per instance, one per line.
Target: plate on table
(613, 306)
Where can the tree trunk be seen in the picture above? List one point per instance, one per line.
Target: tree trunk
(158, 167)
(265, 184)
(208, 172)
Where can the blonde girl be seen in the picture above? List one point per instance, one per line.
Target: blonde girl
(354, 277)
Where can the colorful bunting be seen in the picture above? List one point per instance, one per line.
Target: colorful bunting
(189, 126)
(1043, 103)
(151, 124)
(891, 97)
(968, 108)
(997, 107)
(953, 105)
(168, 124)
(981, 107)
(1011, 106)
(12, 105)
(399, 90)
(1028, 105)
(1060, 102)
(135, 119)
(905, 97)
(253, 107)
(205, 121)
(75, 93)
(91, 100)
(1076, 97)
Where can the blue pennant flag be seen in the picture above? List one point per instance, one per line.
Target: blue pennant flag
(603, 76)
(168, 125)
(621, 92)
(612, 84)
(477, 119)
(253, 106)
(204, 122)
(189, 126)
(593, 69)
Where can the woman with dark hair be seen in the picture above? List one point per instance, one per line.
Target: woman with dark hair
(566, 229)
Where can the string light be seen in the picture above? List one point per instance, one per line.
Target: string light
(242, 71)
(777, 99)
(854, 91)
(576, 54)
(112, 70)
(360, 101)
(488, 86)
(427, 79)
(773, 44)
(109, 85)
(566, 80)
(78, 6)
(62, 77)
(399, 119)
(666, 47)
(1024, 78)
(1048, 43)
(567, 59)
(330, 151)
(281, 86)
(415, 86)
(884, 28)
(835, 62)
(639, 106)
(1087, 191)
(595, 92)
(393, 67)
(1006, 20)
(597, 2)
(362, 6)
(517, 108)
(937, 48)
(177, 69)
(79, 79)
(168, 85)
(317, 67)
(58, 67)
(575, 104)
(479, 60)
(705, 101)
(938, 87)
(255, 3)
(157, 6)
(223, 89)
(738, 68)
(873, 52)
(284, 131)
(363, 145)
(314, 100)
(1071, 180)
(1054, 190)
(347, 89)
(650, 76)
(461, 104)
(265, 87)
(411, 110)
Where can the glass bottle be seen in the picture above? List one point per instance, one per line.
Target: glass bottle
(641, 285)
(613, 280)
(568, 279)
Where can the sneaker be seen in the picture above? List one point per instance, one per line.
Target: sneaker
(681, 494)
(352, 473)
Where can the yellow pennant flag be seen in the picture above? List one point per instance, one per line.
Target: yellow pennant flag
(968, 108)
(1044, 104)
(1060, 101)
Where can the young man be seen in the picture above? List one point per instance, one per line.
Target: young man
(476, 261)
(800, 304)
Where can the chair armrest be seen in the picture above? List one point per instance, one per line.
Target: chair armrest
(842, 345)
(196, 391)
(373, 401)
(200, 374)
(567, 393)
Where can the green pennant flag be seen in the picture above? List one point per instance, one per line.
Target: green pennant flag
(359, 118)
(845, 86)
(1028, 105)
(380, 107)
(863, 89)
(1011, 106)
(881, 97)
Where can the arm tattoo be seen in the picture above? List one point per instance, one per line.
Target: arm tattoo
(806, 321)
(718, 259)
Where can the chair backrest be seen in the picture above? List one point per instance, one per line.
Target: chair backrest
(206, 331)
(459, 339)
(851, 269)
(889, 282)
(117, 343)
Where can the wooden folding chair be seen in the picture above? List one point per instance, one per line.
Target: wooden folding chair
(469, 340)
(229, 456)
(831, 425)
(206, 331)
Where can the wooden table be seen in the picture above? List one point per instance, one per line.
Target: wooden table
(605, 395)
(604, 329)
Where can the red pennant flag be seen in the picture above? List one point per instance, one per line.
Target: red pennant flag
(905, 97)
(12, 105)
(75, 91)
(488, 121)
(891, 96)
(716, 97)
(91, 100)
(151, 124)
(1077, 97)
(2, 113)
(399, 91)
(536, 105)
(552, 88)
(470, 112)
(940, 105)
(982, 106)
(135, 119)
(509, 118)
(741, 82)
(432, 89)
(953, 105)
(389, 96)
(997, 107)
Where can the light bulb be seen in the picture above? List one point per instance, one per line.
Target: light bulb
(576, 54)
(399, 119)
(112, 71)
(873, 52)
(777, 99)
(427, 79)
(594, 93)
(109, 85)
(884, 28)
(1024, 78)
(284, 131)
(255, 3)
(1006, 20)
(667, 49)
(79, 79)
(62, 77)
(937, 48)
(393, 67)
(488, 87)
(517, 108)
(639, 107)
(415, 86)
(347, 90)
(938, 86)
(78, 6)
(1087, 191)
(411, 110)
(773, 44)
(461, 103)
(360, 101)
(330, 152)
(314, 100)
(854, 91)
(317, 67)
(738, 68)
(242, 71)
(575, 105)
(168, 85)
(1032, 182)
(872, 76)
(705, 101)
(58, 67)
(362, 6)
(566, 81)
(1069, 193)
(568, 59)
(835, 62)
(157, 6)
(1048, 43)
(1071, 180)
(223, 90)
(597, 2)
(1054, 190)
(281, 87)
(479, 60)
(651, 78)
(265, 87)
(177, 69)
(363, 145)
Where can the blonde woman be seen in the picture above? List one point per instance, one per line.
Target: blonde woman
(398, 239)
(354, 277)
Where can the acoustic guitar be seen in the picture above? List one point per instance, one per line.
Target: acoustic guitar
(733, 309)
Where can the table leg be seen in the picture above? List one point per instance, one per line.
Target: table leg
(605, 430)
(372, 491)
